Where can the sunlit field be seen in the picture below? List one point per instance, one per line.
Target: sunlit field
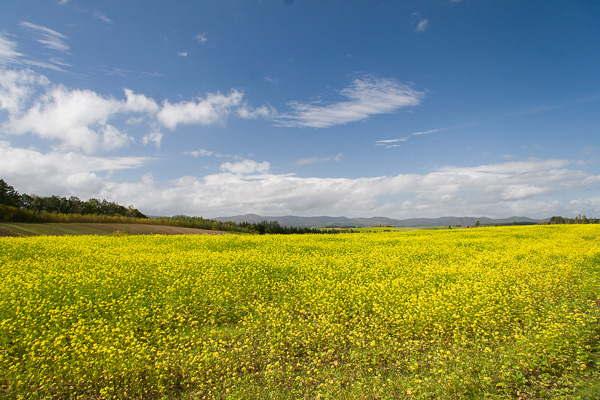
(497, 313)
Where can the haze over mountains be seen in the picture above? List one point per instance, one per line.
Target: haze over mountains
(325, 221)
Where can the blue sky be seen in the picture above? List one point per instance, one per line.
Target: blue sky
(358, 108)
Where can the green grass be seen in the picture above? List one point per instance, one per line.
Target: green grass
(77, 229)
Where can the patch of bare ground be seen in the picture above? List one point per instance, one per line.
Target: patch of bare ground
(4, 233)
(60, 229)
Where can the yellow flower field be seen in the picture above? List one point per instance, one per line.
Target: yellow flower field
(497, 313)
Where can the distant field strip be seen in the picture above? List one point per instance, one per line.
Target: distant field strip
(83, 228)
(497, 313)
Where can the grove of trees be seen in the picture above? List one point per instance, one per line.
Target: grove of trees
(17, 207)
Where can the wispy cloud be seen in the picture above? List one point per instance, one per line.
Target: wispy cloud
(8, 50)
(366, 96)
(99, 15)
(393, 143)
(316, 160)
(182, 54)
(202, 38)
(49, 38)
(10, 55)
(246, 112)
(422, 25)
(154, 137)
(114, 71)
(388, 141)
(426, 132)
(210, 153)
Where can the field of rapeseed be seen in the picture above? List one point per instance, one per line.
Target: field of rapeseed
(496, 313)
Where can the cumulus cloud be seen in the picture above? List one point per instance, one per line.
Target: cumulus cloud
(63, 173)
(366, 97)
(536, 188)
(49, 38)
(17, 87)
(245, 167)
(154, 137)
(201, 152)
(78, 119)
(139, 103)
(213, 108)
(86, 120)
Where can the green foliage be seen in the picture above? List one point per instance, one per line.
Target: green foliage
(580, 219)
(42, 209)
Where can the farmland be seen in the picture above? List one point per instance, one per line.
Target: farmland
(82, 228)
(496, 313)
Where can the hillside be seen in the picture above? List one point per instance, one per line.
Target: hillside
(324, 221)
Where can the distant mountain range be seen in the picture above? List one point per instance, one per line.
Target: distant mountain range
(322, 222)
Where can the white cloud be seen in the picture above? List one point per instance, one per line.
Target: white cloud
(212, 109)
(389, 143)
(78, 119)
(182, 54)
(99, 15)
(154, 137)
(426, 132)
(367, 96)
(112, 138)
(49, 38)
(201, 152)
(8, 51)
(535, 188)
(60, 173)
(245, 167)
(245, 112)
(139, 103)
(316, 160)
(202, 38)
(422, 25)
(10, 55)
(81, 119)
(16, 87)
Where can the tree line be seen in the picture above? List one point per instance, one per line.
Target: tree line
(33, 208)
(580, 219)
(15, 207)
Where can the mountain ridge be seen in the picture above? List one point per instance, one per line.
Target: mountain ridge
(327, 221)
